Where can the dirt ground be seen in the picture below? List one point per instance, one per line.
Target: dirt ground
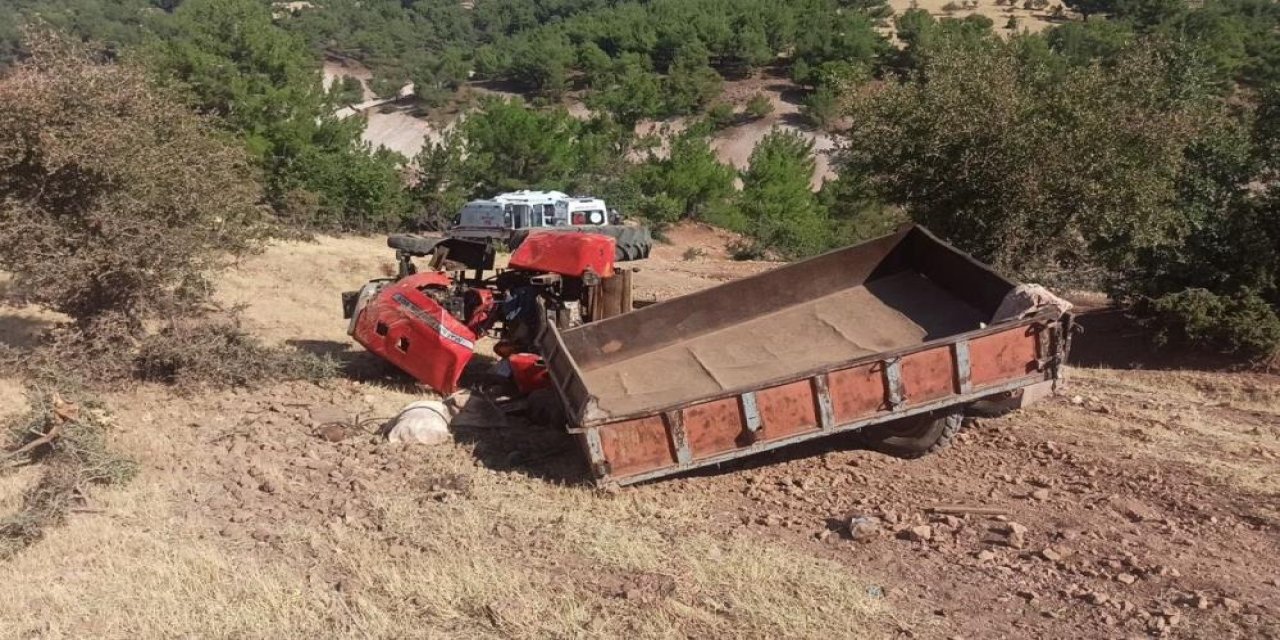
(1030, 20)
(1140, 503)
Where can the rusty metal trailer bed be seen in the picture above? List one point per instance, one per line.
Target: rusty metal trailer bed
(861, 336)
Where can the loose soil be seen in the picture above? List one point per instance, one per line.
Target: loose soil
(1139, 503)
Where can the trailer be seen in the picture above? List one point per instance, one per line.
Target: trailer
(895, 338)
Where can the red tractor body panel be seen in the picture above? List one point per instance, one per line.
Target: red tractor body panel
(567, 254)
(529, 372)
(412, 331)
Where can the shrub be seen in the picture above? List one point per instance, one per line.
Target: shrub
(348, 90)
(821, 108)
(69, 440)
(1242, 323)
(951, 7)
(218, 353)
(721, 115)
(746, 250)
(115, 201)
(759, 106)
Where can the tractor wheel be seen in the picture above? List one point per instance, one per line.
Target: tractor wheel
(414, 245)
(633, 243)
(916, 436)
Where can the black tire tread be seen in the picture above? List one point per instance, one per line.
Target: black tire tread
(953, 423)
(413, 244)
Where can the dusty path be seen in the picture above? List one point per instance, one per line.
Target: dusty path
(1149, 507)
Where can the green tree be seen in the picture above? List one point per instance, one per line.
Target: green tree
(848, 37)
(821, 108)
(691, 82)
(750, 47)
(1090, 41)
(511, 146)
(776, 207)
(542, 62)
(856, 211)
(1089, 8)
(234, 63)
(628, 91)
(759, 106)
(1030, 168)
(440, 189)
(687, 181)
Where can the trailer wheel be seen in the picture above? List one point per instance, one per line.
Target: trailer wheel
(545, 409)
(916, 436)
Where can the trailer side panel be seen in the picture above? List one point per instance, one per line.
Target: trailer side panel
(936, 377)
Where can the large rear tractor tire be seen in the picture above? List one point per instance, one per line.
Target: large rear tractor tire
(916, 436)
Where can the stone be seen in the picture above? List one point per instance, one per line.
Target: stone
(864, 528)
(332, 433)
(1050, 554)
(1015, 534)
(1139, 512)
(1040, 494)
(1230, 604)
(1126, 578)
(986, 555)
(919, 533)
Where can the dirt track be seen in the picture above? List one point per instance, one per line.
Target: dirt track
(1141, 503)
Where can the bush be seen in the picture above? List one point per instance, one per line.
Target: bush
(951, 7)
(348, 90)
(1242, 323)
(721, 115)
(821, 108)
(759, 106)
(115, 201)
(207, 353)
(69, 441)
(746, 250)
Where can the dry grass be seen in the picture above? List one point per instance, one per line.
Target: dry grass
(68, 443)
(1028, 20)
(1227, 425)
(507, 556)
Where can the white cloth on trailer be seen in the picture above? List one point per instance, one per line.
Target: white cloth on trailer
(1027, 300)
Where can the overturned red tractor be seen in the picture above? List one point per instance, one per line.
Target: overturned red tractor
(428, 322)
